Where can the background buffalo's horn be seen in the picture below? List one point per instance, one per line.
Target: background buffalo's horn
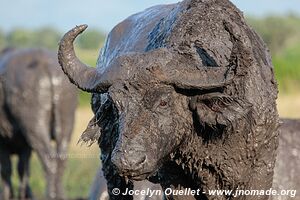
(84, 77)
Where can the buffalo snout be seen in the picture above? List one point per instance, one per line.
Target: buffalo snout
(129, 163)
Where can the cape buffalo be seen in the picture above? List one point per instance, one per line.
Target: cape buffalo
(286, 170)
(287, 167)
(37, 105)
(184, 95)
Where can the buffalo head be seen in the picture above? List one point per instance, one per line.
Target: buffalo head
(185, 90)
(145, 91)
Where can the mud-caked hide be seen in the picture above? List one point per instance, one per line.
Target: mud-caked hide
(183, 95)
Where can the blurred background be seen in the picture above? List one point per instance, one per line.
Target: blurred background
(41, 23)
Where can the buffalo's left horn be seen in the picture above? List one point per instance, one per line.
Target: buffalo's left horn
(84, 77)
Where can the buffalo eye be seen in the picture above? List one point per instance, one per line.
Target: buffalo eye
(163, 103)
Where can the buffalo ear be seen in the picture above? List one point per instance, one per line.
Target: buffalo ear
(216, 109)
(91, 134)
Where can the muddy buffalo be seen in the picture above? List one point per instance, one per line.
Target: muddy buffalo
(37, 105)
(184, 95)
(286, 172)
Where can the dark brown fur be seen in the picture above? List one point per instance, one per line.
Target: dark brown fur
(183, 95)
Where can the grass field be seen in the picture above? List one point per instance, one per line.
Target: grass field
(287, 70)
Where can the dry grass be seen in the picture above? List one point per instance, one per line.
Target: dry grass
(289, 105)
(83, 161)
(83, 115)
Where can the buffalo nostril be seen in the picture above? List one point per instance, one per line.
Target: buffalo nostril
(133, 162)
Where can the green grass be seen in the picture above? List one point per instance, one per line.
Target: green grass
(37, 183)
(79, 175)
(89, 57)
(84, 98)
(287, 70)
(77, 179)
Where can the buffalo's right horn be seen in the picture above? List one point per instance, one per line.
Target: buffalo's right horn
(84, 77)
(171, 71)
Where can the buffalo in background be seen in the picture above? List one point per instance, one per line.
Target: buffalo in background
(37, 106)
(287, 167)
